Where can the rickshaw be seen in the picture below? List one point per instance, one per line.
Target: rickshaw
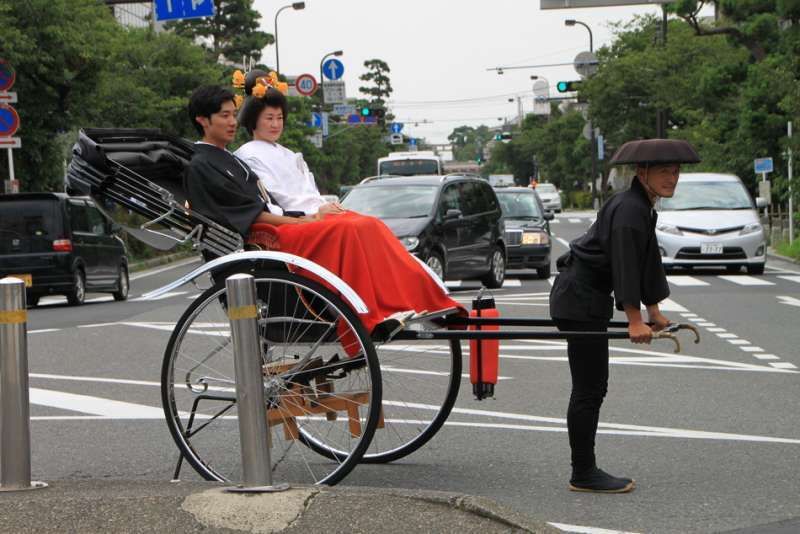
(336, 394)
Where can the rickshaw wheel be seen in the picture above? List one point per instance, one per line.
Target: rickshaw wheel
(316, 389)
(420, 382)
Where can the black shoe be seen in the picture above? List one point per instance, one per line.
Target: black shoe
(598, 481)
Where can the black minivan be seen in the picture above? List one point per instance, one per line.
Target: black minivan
(61, 245)
(452, 222)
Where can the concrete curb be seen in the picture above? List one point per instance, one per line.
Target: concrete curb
(775, 256)
(160, 506)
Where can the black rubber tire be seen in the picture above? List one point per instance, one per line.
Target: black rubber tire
(543, 272)
(437, 257)
(756, 269)
(490, 279)
(122, 289)
(77, 295)
(32, 300)
(371, 423)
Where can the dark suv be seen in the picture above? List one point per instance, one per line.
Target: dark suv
(527, 227)
(61, 245)
(450, 222)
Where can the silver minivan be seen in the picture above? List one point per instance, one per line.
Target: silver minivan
(711, 220)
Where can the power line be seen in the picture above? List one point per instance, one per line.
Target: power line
(456, 101)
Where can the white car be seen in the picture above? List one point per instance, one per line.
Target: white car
(550, 197)
(711, 220)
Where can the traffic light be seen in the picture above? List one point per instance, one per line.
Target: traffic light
(379, 114)
(366, 111)
(505, 136)
(568, 87)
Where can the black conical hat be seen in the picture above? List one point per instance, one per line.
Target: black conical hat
(655, 151)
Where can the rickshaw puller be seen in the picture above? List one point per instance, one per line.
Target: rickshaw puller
(619, 253)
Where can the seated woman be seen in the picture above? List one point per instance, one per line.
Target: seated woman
(361, 250)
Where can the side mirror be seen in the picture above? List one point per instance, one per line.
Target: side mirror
(549, 216)
(452, 214)
(761, 202)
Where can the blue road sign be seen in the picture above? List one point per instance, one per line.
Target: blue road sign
(7, 76)
(763, 165)
(412, 141)
(183, 9)
(316, 120)
(397, 127)
(9, 121)
(333, 69)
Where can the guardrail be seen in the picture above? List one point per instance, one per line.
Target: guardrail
(15, 437)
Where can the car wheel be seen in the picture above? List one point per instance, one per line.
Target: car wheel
(543, 272)
(437, 265)
(497, 270)
(755, 269)
(123, 284)
(32, 300)
(78, 294)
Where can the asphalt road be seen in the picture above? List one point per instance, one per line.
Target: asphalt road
(712, 435)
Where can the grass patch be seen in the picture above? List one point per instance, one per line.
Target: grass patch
(791, 250)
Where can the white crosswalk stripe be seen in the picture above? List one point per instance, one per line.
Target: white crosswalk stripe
(743, 280)
(791, 278)
(574, 220)
(508, 282)
(789, 301)
(686, 281)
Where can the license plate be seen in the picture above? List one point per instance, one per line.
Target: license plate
(711, 248)
(28, 279)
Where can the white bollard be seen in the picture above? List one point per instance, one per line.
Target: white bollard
(253, 427)
(15, 436)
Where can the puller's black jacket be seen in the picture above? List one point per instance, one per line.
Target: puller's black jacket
(618, 253)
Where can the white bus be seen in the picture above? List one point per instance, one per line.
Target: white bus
(410, 163)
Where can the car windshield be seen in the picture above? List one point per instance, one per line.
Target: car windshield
(392, 201)
(707, 196)
(546, 188)
(27, 225)
(410, 167)
(519, 205)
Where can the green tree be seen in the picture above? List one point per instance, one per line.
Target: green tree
(232, 31)
(59, 50)
(377, 75)
(469, 142)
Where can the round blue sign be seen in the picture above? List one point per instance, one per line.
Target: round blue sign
(333, 69)
(9, 121)
(7, 76)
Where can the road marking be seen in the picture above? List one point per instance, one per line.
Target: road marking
(93, 405)
(587, 530)
(513, 282)
(717, 329)
(783, 365)
(510, 282)
(161, 297)
(738, 342)
(687, 315)
(697, 319)
(43, 330)
(766, 356)
(603, 428)
(562, 241)
(169, 267)
(790, 301)
(575, 221)
(744, 280)
(791, 278)
(685, 281)
(670, 306)
(751, 349)
(706, 325)
(727, 336)
(551, 280)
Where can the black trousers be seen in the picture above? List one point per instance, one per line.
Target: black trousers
(588, 365)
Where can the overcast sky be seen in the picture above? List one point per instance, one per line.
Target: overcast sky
(439, 50)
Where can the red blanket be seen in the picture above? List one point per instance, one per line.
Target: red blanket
(363, 252)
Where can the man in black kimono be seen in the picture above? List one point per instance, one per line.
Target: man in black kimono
(217, 183)
(619, 253)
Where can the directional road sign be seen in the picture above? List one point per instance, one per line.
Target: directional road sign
(333, 69)
(396, 139)
(356, 118)
(306, 84)
(9, 121)
(343, 109)
(763, 165)
(7, 76)
(333, 92)
(396, 127)
(316, 120)
(183, 9)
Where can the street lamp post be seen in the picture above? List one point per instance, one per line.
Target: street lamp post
(296, 6)
(592, 139)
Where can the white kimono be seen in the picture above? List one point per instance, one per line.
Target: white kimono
(284, 174)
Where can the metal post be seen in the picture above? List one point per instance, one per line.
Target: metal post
(766, 208)
(253, 428)
(791, 193)
(661, 114)
(15, 436)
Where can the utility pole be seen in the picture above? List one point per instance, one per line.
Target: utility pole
(661, 114)
(791, 201)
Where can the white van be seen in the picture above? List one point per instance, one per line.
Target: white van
(410, 164)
